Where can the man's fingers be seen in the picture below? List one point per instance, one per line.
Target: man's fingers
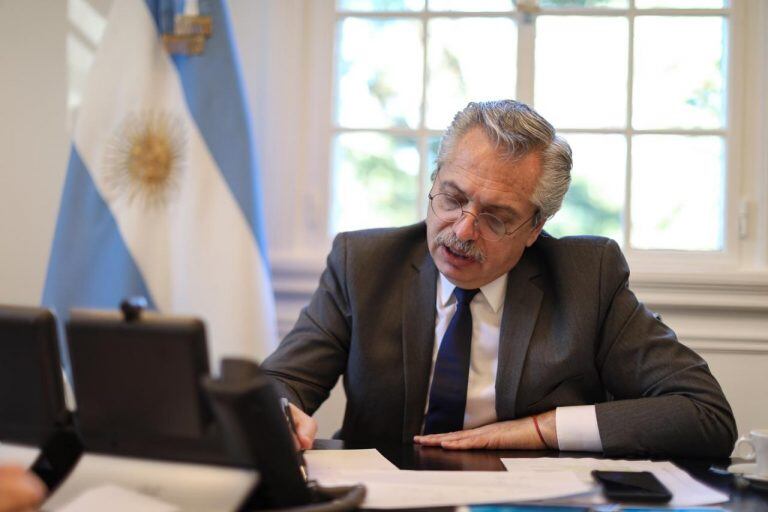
(306, 427)
(19, 490)
(468, 443)
(493, 436)
(438, 439)
(305, 443)
(453, 436)
(464, 439)
(511, 434)
(306, 433)
(481, 439)
(433, 439)
(426, 440)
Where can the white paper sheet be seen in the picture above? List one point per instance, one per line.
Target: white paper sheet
(189, 487)
(17, 454)
(322, 463)
(388, 487)
(686, 491)
(116, 499)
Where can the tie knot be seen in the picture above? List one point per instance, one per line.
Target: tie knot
(464, 296)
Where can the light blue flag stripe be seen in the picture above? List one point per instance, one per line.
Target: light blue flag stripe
(90, 265)
(215, 96)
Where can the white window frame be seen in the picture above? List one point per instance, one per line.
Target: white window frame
(737, 276)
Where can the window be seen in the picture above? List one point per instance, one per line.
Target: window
(639, 88)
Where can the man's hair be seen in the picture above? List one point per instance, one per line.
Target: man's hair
(517, 130)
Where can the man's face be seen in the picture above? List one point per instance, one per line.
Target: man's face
(483, 181)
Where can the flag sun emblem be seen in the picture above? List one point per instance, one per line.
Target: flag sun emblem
(145, 158)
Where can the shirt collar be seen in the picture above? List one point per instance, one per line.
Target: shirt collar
(493, 292)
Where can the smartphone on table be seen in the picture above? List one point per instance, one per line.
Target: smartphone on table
(632, 486)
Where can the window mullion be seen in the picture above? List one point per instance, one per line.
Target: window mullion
(422, 140)
(627, 221)
(526, 49)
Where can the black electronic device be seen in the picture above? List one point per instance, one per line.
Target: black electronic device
(253, 420)
(137, 385)
(632, 486)
(33, 409)
(32, 402)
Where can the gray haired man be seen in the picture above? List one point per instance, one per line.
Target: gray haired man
(476, 329)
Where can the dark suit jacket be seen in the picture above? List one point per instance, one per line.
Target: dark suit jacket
(572, 333)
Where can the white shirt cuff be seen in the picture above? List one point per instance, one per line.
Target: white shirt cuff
(577, 429)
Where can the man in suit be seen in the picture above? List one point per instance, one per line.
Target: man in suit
(475, 329)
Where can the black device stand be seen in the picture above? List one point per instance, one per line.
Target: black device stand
(248, 409)
(58, 457)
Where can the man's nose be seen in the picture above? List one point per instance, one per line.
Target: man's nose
(465, 228)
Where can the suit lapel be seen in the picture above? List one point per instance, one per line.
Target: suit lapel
(418, 339)
(521, 309)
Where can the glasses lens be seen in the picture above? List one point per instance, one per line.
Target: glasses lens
(446, 207)
(491, 227)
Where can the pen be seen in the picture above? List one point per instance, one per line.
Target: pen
(292, 427)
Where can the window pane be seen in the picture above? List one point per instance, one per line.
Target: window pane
(585, 3)
(677, 192)
(375, 181)
(379, 73)
(679, 72)
(468, 59)
(381, 5)
(681, 4)
(433, 146)
(471, 5)
(595, 199)
(581, 71)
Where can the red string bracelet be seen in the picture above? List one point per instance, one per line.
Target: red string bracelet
(538, 431)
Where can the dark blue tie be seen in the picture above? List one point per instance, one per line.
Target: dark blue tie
(448, 394)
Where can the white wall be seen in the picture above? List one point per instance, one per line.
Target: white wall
(727, 322)
(277, 57)
(33, 141)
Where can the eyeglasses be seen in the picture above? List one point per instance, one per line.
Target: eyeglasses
(488, 226)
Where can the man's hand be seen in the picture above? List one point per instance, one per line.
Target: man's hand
(20, 491)
(306, 428)
(519, 434)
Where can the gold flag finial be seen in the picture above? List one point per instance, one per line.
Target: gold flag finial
(190, 30)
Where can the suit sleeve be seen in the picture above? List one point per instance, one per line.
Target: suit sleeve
(664, 401)
(310, 359)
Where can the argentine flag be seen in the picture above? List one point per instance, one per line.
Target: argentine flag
(161, 197)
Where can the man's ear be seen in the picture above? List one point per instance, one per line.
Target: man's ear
(534, 234)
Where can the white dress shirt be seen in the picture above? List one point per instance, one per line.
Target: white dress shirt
(576, 425)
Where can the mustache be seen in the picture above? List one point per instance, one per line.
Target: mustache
(467, 248)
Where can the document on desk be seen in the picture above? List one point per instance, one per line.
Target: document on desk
(23, 456)
(186, 487)
(321, 463)
(116, 499)
(686, 491)
(387, 487)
